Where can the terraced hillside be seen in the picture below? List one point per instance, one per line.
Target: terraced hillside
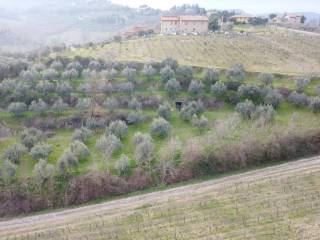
(280, 202)
(276, 51)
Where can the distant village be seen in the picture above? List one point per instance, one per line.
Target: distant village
(213, 21)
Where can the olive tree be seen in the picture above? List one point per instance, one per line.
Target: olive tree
(64, 89)
(246, 109)
(45, 87)
(160, 128)
(84, 103)
(144, 153)
(200, 123)
(149, 71)
(41, 151)
(30, 137)
(211, 76)
(266, 78)
(17, 108)
(195, 87)
(39, 106)
(79, 149)
(109, 144)
(190, 109)
(236, 73)
(43, 172)
(172, 63)
(184, 75)
(50, 74)
(118, 128)
(164, 111)
(130, 74)
(94, 65)
(314, 104)
(219, 89)
(57, 65)
(123, 165)
(301, 83)
(8, 170)
(166, 74)
(134, 104)
(15, 152)
(59, 106)
(273, 98)
(298, 99)
(140, 137)
(111, 104)
(173, 87)
(70, 74)
(82, 134)
(67, 161)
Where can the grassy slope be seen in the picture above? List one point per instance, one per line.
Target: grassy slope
(277, 202)
(274, 51)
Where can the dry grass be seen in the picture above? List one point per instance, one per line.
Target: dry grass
(280, 202)
(276, 51)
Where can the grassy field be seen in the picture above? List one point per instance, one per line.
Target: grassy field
(267, 50)
(280, 202)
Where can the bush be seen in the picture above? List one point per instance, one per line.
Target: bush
(59, 106)
(315, 104)
(70, 74)
(149, 71)
(109, 144)
(17, 108)
(190, 109)
(160, 128)
(43, 172)
(80, 150)
(140, 137)
(219, 89)
(30, 137)
(134, 104)
(172, 87)
(111, 104)
(318, 90)
(84, 103)
(144, 153)
(264, 114)
(45, 87)
(301, 84)
(57, 65)
(67, 161)
(50, 74)
(170, 62)
(126, 87)
(64, 89)
(15, 152)
(211, 76)
(118, 128)
(184, 75)
(130, 74)
(251, 92)
(41, 151)
(164, 111)
(266, 78)
(38, 106)
(273, 98)
(94, 65)
(82, 134)
(246, 109)
(200, 123)
(8, 170)
(298, 99)
(236, 73)
(166, 74)
(195, 87)
(123, 165)
(135, 118)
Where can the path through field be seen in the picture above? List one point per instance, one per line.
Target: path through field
(279, 202)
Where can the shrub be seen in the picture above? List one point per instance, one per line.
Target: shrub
(123, 165)
(172, 87)
(82, 134)
(200, 123)
(57, 65)
(67, 161)
(59, 106)
(144, 153)
(236, 73)
(75, 65)
(64, 89)
(246, 109)
(94, 65)
(184, 75)
(135, 104)
(251, 92)
(266, 78)
(109, 144)
(315, 104)
(298, 99)
(111, 104)
(38, 106)
(29, 137)
(318, 90)
(79, 149)
(273, 98)
(45, 87)
(17, 108)
(118, 128)
(149, 71)
(43, 172)
(140, 137)
(195, 87)
(50, 74)
(164, 111)
(29, 75)
(41, 151)
(211, 76)
(130, 74)
(160, 128)
(264, 114)
(126, 87)
(109, 74)
(84, 103)
(190, 109)
(166, 74)
(15, 152)
(135, 118)
(170, 62)
(301, 84)
(70, 74)
(219, 89)
(8, 170)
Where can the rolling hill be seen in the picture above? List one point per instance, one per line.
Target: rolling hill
(279, 202)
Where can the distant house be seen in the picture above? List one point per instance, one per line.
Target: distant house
(289, 18)
(240, 19)
(184, 24)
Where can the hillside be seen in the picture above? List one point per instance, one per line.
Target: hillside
(276, 51)
(280, 202)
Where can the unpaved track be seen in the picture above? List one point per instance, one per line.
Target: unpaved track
(59, 219)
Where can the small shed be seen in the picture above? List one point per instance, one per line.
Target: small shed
(179, 105)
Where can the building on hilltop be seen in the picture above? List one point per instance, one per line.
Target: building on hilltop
(184, 24)
(289, 18)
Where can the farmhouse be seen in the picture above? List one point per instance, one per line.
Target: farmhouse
(184, 24)
(240, 18)
(289, 18)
